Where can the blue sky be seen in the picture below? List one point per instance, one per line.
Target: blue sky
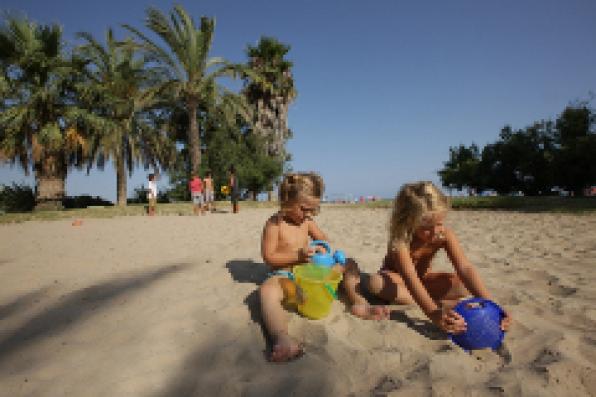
(384, 87)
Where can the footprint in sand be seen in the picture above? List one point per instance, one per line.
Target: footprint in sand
(560, 290)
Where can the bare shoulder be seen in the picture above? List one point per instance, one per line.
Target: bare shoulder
(272, 223)
(450, 241)
(449, 235)
(311, 223)
(274, 220)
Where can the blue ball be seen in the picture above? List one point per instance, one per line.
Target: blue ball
(483, 318)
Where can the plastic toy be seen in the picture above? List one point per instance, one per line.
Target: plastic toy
(327, 259)
(483, 318)
(317, 287)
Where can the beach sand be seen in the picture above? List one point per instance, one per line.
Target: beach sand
(168, 306)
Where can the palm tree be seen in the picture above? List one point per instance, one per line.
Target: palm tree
(124, 93)
(41, 124)
(192, 73)
(270, 89)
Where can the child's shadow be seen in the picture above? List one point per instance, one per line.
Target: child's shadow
(248, 271)
(423, 327)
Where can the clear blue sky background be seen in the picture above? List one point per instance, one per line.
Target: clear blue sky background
(384, 87)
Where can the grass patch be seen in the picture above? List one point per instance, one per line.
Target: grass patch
(509, 203)
(522, 204)
(528, 204)
(177, 209)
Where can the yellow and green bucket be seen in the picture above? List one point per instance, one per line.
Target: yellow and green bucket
(318, 289)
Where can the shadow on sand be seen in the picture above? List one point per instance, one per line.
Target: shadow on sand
(248, 271)
(423, 327)
(231, 364)
(76, 307)
(22, 302)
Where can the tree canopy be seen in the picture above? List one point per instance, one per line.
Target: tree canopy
(535, 160)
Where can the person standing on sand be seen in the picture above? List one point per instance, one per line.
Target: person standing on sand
(209, 193)
(152, 195)
(196, 194)
(234, 189)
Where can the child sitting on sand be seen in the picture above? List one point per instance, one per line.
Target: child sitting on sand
(285, 243)
(417, 231)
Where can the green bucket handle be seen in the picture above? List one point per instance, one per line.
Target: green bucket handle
(331, 291)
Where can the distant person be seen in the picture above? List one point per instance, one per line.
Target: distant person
(196, 194)
(234, 189)
(285, 243)
(152, 195)
(417, 231)
(209, 192)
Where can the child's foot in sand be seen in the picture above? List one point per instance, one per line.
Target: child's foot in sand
(285, 349)
(370, 312)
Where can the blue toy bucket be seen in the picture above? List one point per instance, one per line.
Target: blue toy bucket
(483, 318)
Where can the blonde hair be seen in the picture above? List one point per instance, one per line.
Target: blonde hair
(412, 203)
(296, 186)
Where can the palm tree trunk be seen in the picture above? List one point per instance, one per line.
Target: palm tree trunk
(194, 140)
(50, 180)
(120, 180)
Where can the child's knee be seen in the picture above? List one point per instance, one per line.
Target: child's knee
(375, 283)
(270, 290)
(351, 268)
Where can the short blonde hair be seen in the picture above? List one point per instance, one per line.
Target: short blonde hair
(412, 203)
(296, 186)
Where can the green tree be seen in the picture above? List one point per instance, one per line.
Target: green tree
(41, 124)
(270, 90)
(576, 139)
(520, 160)
(461, 170)
(123, 87)
(192, 74)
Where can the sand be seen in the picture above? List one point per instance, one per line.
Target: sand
(168, 306)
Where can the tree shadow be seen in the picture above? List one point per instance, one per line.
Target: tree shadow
(76, 307)
(21, 302)
(229, 363)
(248, 271)
(423, 327)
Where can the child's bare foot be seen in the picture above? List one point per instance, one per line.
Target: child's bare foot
(285, 349)
(370, 312)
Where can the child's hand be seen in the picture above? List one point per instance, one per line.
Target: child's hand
(338, 268)
(320, 249)
(449, 321)
(506, 321)
(304, 254)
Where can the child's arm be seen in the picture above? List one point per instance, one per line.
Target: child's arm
(279, 258)
(314, 232)
(465, 270)
(449, 320)
(468, 274)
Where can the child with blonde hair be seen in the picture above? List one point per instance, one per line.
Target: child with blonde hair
(285, 243)
(417, 231)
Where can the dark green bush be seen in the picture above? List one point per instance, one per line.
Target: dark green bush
(84, 201)
(16, 198)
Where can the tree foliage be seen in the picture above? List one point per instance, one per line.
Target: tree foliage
(533, 160)
(42, 125)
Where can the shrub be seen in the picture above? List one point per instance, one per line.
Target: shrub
(16, 198)
(84, 201)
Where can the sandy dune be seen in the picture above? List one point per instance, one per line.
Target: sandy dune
(167, 306)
